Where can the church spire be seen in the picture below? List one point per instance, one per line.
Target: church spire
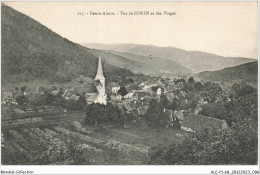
(99, 75)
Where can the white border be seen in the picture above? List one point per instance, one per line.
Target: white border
(142, 169)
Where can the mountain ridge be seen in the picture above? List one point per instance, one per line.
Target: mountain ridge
(141, 64)
(196, 61)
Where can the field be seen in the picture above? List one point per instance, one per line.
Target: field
(69, 141)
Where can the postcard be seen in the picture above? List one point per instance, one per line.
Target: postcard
(172, 84)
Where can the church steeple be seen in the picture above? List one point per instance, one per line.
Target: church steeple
(99, 82)
(99, 75)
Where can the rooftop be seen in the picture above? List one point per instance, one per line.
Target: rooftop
(92, 98)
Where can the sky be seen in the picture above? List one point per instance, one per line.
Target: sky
(222, 28)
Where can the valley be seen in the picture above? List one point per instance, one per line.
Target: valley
(65, 103)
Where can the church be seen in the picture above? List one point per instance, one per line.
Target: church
(99, 83)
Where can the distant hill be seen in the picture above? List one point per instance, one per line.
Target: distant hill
(246, 72)
(32, 51)
(141, 64)
(193, 60)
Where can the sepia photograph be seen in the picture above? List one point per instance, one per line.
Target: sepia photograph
(129, 83)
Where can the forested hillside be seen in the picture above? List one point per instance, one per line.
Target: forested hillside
(246, 72)
(31, 50)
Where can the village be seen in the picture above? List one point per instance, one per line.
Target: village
(120, 120)
(131, 99)
(125, 119)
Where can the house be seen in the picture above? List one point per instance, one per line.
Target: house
(115, 90)
(194, 123)
(141, 94)
(197, 110)
(129, 95)
(204, 100)
(66, 94)
(173, 120)
(125, 106)
(179, 114)
(128, 107)
(159, 91)
(169, 113)
(7, 97)
(119, 98)
(55, 92)
(87, 95)
(120, 106)
(142, 85)
(96, 98)
(74, 97)
(114, 98)
(142, 110)
(146, 87)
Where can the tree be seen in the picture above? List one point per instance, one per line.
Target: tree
(241, 108)
(180, 81)
(155, 117)
(130, 80)
(173, 105)
(45, 99)
(216, 110)
(242, 89)
(21, 100)
(191, 80)
(54, 88)
(99, 113)
(164, 101)
(122, 91)
(82, 102)
(154, 88)
(237, 146)
(23, 88)
(198, 86)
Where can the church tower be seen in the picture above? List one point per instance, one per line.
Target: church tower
(100, 75)
(99, 82)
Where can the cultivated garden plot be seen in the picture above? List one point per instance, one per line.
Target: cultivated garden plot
(56, 144)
